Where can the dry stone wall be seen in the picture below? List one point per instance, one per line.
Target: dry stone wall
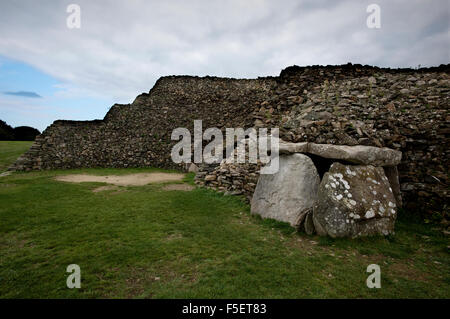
(403, 109)
(139, 134)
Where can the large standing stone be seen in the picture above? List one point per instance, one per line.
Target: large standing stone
(288, 194)
(354, 201)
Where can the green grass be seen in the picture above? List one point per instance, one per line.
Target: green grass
(10, 151)
(144, 242)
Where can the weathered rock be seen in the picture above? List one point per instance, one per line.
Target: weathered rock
(289, 148)
(354, 201)
(392, 176)
(210, 177)
(287, 194)
(359, 154)
(193, 168)
(309, 223)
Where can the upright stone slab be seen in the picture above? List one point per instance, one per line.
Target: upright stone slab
(392, 175)
(288, 194)
(354, 201)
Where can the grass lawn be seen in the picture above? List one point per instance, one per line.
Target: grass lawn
(145, 242)
(10, 151)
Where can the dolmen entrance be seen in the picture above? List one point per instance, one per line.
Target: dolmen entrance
(335, 190)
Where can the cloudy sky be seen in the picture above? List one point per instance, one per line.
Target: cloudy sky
(49, 71)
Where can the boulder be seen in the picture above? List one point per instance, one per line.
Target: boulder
(288, 194)
(354, 201)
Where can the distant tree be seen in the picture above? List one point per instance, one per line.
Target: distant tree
(25, 133)
(6, 132)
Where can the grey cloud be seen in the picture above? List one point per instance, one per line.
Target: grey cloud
(24, 94)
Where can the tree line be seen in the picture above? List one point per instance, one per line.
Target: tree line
(19, 133)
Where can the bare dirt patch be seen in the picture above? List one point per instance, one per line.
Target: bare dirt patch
(178, 187)
(139, 179)
(106, 188)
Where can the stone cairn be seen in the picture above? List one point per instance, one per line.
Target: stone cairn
(403, 109)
